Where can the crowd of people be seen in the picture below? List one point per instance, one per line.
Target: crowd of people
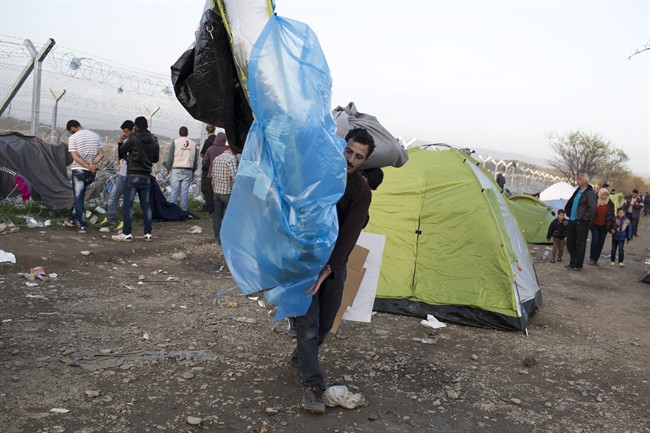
(591, 211)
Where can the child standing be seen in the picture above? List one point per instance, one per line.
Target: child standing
(557, 230)
(622, 230)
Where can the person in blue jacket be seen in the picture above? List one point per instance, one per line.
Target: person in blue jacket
(621, 231)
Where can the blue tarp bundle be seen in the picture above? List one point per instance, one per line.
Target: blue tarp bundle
(281, 224)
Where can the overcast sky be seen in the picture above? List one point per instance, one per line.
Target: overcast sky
(482, 74)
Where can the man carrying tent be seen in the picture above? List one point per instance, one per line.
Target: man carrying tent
(580, 211)
(85, 147)
(313, 327)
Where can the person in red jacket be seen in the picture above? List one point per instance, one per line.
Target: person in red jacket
(603, 222)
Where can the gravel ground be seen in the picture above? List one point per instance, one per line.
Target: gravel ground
(131, 338)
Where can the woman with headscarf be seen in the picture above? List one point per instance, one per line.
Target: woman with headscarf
(603, 223)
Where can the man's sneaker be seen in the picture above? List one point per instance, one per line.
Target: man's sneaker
(312, 399)
(148, 237)
(120, 226)
(122, 238)
(621, 264)
(559, 259)
(612, 263)
(68, 222)
(82, 230)
(105, 223)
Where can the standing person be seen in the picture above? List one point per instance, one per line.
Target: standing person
(85, 147)
(646, 204)
(141, 151)
(633, 206)
(501, 181)
(313, 327)
(557, 230)
(206, 187)
(217, 148)
(621, 231)
(222, 173)
(181, 163)
(580, 211)
(603, 223)
(118, 183)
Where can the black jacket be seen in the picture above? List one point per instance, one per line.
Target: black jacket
(586, 207)
(141, 151)
(557, 229)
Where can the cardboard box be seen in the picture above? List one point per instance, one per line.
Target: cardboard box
(355, 274)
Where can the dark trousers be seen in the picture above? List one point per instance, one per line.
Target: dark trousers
(220, 205)
(576, 242)
(136, 185)
(635, 226)
(206, 190)
(313, 327)
(620, 246)
(598, 236)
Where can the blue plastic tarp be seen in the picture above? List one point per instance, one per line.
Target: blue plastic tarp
(281, 224)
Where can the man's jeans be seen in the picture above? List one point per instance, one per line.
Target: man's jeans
(80, 180)
(220, 205)
(313, 327)
(181, 179)
(114, 199)
(141, 185)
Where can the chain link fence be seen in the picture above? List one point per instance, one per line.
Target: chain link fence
(100, 94)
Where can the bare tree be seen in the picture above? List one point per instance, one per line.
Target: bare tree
(615, 166)
(646, 47)
(579, 152)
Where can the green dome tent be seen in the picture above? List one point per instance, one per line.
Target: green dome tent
(533, 216)
(453, 248)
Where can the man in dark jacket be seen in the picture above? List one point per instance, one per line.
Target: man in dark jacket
(313, 327)
(141, 151)
(580, 211)
(206, 186)
(633, 206)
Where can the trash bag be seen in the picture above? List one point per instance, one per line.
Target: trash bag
(281, 224)
(387, 152)
(206, 82)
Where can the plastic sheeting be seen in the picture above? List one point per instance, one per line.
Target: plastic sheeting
(281, 224)
(388, 150)
(206, 82)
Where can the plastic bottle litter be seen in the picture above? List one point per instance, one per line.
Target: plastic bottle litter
(94, 219)
(100, 210)
(545, 256)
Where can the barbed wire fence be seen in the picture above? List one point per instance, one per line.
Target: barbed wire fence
(100, 94)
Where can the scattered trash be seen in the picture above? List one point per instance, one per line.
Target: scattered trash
(105, 230)
(8, 228)
(6, 257)
(195, 230)
(184, 307)
(172, 278)
(30, 284)
(86, 252)
(179, 256)
(145, 336)
(100, 210)
(545, 256)
(94, 219)
(6, 321)
(340, 395)
(36, 297)
(271, 411)
(90, 393)
(425, 340)
(32, 223)
(53, 276)
(38, 272)
(59, 410)
(129, 287)
(47, 223)
(432, 322)
(647, 261)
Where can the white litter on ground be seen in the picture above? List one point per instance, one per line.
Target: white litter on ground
(340, 395)
(432, 322)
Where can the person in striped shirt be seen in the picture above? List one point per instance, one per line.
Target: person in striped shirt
(85, 147)
(222, 174)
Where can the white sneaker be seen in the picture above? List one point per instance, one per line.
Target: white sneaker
(148, 237)
(621, 264)
(612, 263)
(122, 238)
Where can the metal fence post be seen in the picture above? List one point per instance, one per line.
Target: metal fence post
(55, 112)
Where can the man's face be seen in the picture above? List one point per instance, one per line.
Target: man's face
(126, 132)
(621, 213)
(355, 154)
(635, 194)
(560, 216)
(581, 181)
(73, 129)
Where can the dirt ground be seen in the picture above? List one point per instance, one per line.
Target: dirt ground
(131, 339)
